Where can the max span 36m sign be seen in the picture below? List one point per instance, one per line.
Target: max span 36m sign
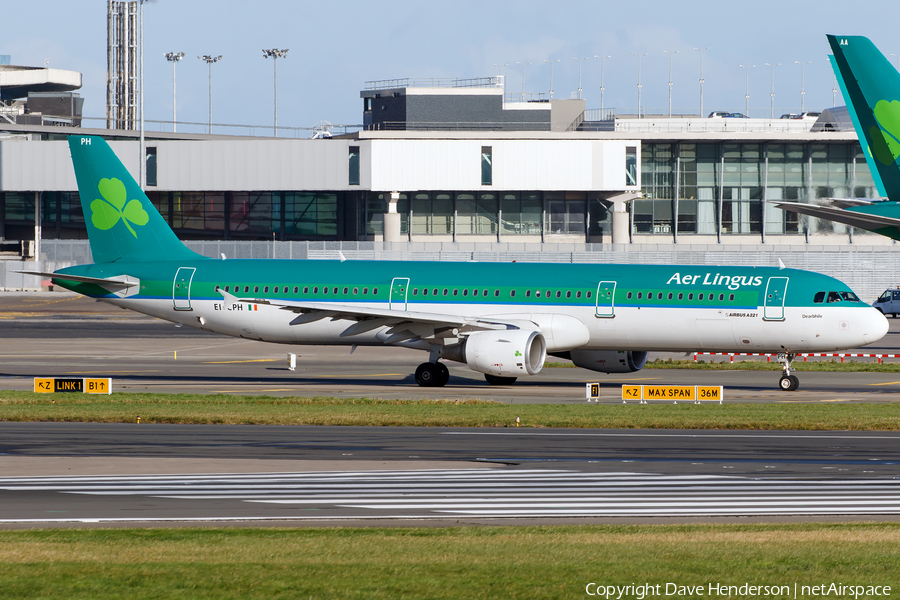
(77, 385)
(672, 393)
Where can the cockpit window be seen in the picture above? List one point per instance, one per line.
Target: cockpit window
(849, 297)
(820, 298)
(840, 296)
(834, 297)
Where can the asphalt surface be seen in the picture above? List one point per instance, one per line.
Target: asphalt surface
(61, 334)
(77, 474)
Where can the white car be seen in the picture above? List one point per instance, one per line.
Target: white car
(889, 302)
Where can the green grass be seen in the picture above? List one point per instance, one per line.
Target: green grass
(420, 563)
(124, 407)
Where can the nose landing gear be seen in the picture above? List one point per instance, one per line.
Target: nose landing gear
(788, 382)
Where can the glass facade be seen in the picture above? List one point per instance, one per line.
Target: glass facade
(689, 189)
(722, 188)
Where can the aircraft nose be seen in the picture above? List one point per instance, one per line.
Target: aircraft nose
(875, 326)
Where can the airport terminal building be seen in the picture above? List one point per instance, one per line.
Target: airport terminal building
(547, 176)
(483, 173)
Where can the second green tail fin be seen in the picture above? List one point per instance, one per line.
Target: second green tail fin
(122, 223)
(872, 85)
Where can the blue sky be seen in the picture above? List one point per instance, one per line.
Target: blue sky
(336, 46)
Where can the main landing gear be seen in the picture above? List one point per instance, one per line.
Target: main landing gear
(434, 374)
(788, 382)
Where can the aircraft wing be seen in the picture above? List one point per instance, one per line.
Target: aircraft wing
(113, 283)
(855, 219)
(403, 324)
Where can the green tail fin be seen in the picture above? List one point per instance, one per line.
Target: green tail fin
(872, 90)
(122, 223)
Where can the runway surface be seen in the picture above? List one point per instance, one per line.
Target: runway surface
(71, 473)
(443, 475)
(61, 334)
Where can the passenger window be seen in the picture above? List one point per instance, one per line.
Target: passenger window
(246, 288)
(578, 294)
(217, 289)
(434, 292)
(548, 293)
(324, 290)
(834, 297)
(424, 291)
(670, 295)
(512, 293)
(345, 291)
(628, 295)
(415, 291)
(355, 291)
(374, 291)
(465, 292)
(496, 293)
(527, 293)
(365, 291)
(226, 288)
(537, 294)
(569, 294)
(445, 291)
(316, 290)
(731, 297)
(721, 297)
(640, 295)
(700, 297)
(588, 294)
(484, 293)
(819, 297)
(455, 292)
(680, 296)
(305, 290)
(690, 296)
(255, 289)
(659, 296)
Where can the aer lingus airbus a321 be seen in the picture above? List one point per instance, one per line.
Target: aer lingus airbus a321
(499, 319)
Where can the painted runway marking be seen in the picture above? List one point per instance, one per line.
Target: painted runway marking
(483, 492)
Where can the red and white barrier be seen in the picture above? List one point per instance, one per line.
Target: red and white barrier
(804, 355)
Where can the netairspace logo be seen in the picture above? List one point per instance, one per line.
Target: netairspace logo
(746, 590)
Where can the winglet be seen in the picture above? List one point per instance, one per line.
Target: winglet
(780, 264)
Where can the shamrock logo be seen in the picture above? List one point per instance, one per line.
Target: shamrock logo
(115, 205)
(886, 137)
(518, 353)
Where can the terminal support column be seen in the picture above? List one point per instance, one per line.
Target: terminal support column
(621, 227)
(392, 219)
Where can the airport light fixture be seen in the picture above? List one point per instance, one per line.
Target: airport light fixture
(275, 54)
(772, 95)
(173, 57)
(701, 77)
(802, 85)
(551, 74)
(671, 54)
(209, 61)
(580, 60)
(523, 77)
(639, 57)
(602, 87)
(747, 93)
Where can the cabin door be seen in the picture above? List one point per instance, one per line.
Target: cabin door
(606, 293)
(181, 288)
(773, 304)
(399, 291)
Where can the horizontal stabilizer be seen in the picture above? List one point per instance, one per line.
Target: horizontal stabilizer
(123, 282)
(848, 217)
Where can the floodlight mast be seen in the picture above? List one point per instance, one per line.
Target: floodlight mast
(701, 77)
(602, 86)
(773, 87)
(275, 53)
(671, 54)
(639, 57)
(551, 74)
(173, 57)
(210, 59)
(802, 85)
